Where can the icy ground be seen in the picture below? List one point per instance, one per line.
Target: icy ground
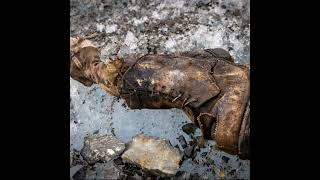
(159, 26)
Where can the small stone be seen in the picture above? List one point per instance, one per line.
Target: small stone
(237, 12)
(118, 161)
(101, 148)
(194, 154)
(210, 161)
(225, 159)
(204, 154)
(155, 155)
(182, 141)
(189, 151)
(189, 128)
(233, 172)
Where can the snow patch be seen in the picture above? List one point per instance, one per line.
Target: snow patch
(131, 40)
(111, 28)
(100, 27)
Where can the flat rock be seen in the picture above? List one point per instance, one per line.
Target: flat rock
(101, 148)
(154, 155)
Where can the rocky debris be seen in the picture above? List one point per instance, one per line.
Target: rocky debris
(77, 159)
(189, 151)
(189, 128)
(107, 171)
(191, 148)
(91, 173)
(204, 154)
(132, 169)
(101, 148)
(155, 155)
(75, 169)
(118, 161)
(225, 159)
(233, 172)
(182, 141)
(97, 171)
(80, 174)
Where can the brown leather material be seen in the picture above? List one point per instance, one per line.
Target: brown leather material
(229, 109)
(89, 69)
(206, 84)
(172, 76)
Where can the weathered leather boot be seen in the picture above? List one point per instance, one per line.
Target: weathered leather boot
(207, 85)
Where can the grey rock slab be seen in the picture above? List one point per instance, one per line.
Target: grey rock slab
(101, 148)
